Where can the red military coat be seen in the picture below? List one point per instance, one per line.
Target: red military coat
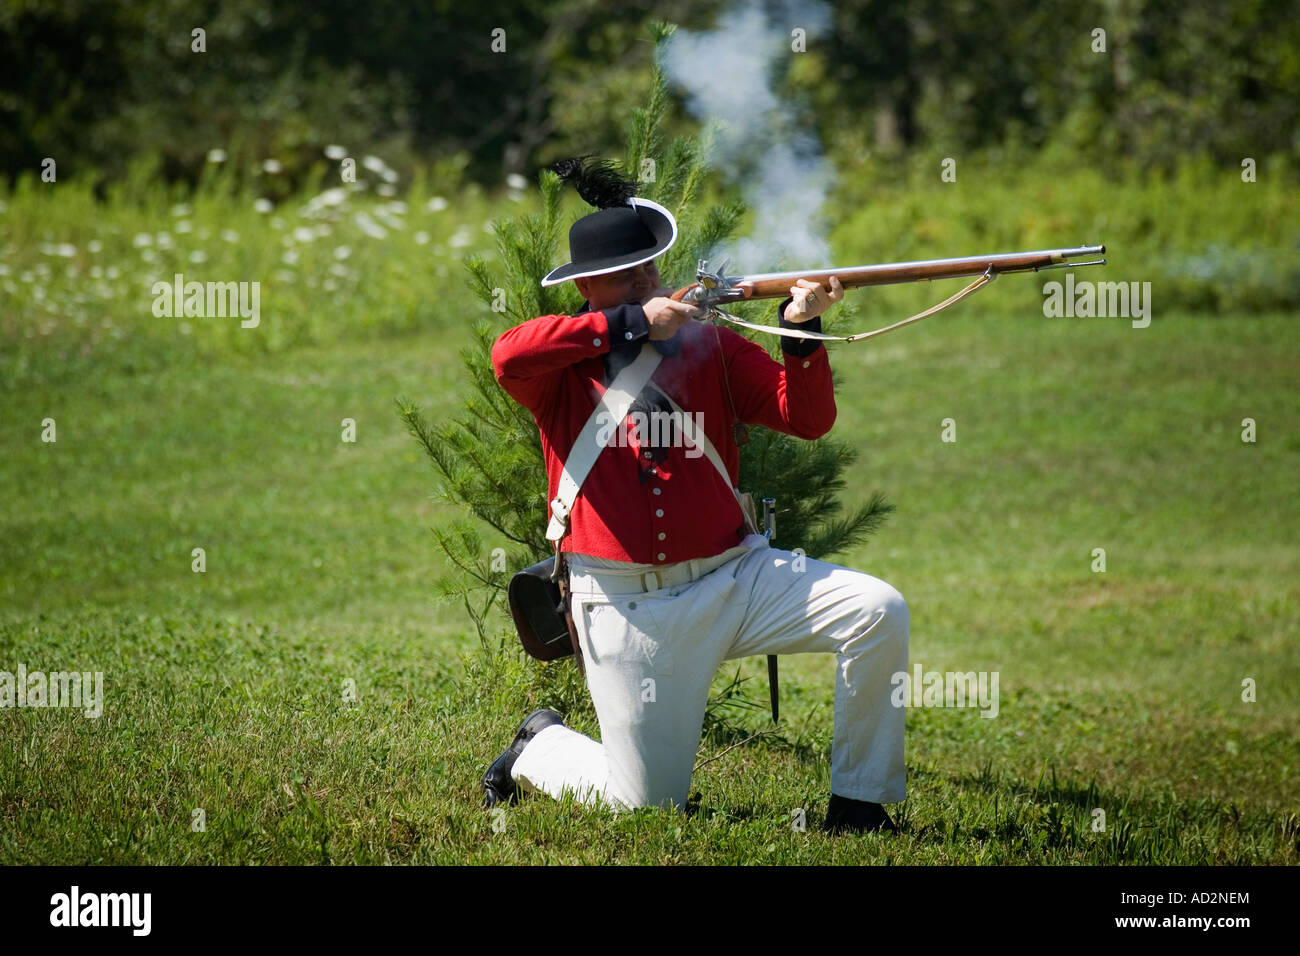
(661, 505)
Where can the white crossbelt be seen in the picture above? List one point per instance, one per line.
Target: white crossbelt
(599, 579)
(699, 439)
(616, 401)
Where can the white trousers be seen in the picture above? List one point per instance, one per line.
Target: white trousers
(650, 660)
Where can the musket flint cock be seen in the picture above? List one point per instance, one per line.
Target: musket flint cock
(715, 288)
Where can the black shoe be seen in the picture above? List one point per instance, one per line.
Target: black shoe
(498, 785)
(856, 816)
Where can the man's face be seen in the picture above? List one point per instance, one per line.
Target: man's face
(616, 288)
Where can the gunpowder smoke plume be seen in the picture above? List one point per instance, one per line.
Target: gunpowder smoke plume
(761, 142)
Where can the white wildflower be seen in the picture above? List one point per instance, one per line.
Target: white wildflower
(229, 235)
(330, 197)
(369, 226)
(333, 151)
(388, 219)
(436, 204)
(342, 252)
(421, 237)
(197, 256)
(262, 205)
(271, 166)
(216, 155)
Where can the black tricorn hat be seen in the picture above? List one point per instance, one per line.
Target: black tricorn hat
(625, 231)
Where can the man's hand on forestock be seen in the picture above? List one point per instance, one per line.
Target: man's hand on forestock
(811, 299)
(665, 316)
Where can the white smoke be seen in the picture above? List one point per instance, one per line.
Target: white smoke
(726, 74)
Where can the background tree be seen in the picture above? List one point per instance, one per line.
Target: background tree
(95, 84)
(489, 458)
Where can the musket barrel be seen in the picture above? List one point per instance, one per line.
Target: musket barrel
(773, 284)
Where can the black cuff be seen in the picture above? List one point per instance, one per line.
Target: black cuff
(799, 348)
(627, 323)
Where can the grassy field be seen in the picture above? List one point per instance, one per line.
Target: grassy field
(224, 691)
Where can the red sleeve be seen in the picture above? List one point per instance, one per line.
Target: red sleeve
(529, 360)
(797, 398)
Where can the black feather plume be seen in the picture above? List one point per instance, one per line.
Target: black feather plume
(597, 181)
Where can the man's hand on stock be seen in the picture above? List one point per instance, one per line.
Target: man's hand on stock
(811, 299)
(665, 316)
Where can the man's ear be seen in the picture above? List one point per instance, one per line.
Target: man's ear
(584, 287)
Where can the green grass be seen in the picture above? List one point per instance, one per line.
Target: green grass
(1120, 691)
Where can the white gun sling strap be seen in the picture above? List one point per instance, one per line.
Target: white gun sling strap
(613, 408)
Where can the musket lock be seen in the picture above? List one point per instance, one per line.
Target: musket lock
(713, 287)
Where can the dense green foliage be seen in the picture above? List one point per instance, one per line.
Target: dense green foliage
(93, 83)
